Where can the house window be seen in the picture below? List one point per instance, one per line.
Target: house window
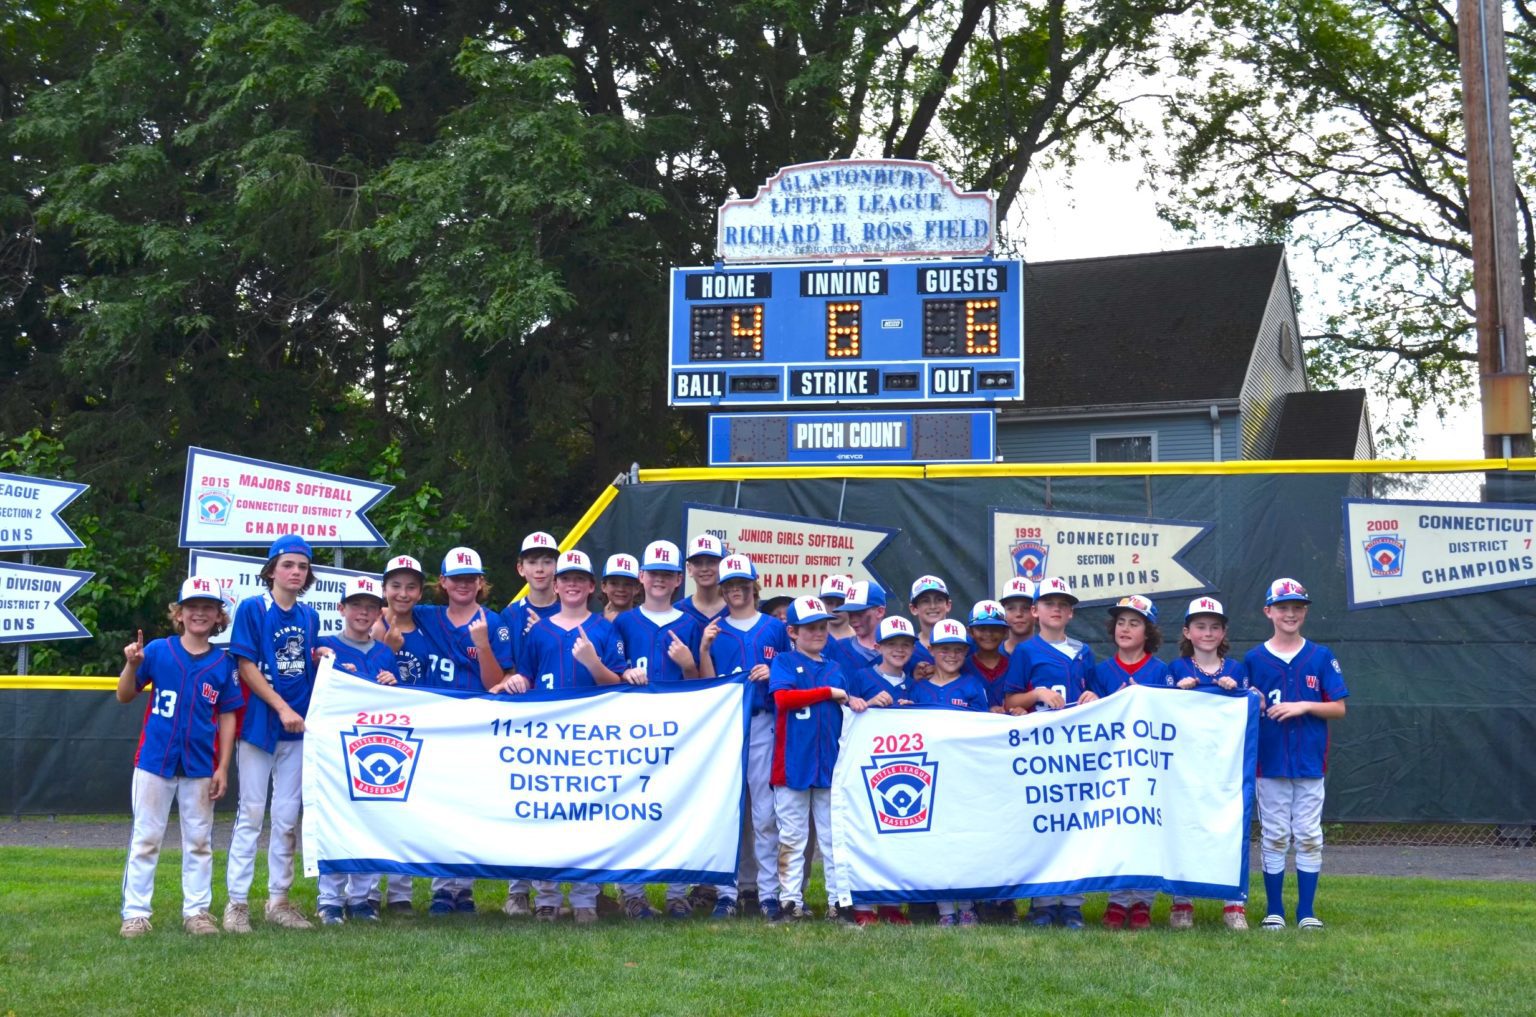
(1124, 448)
(1287, 346)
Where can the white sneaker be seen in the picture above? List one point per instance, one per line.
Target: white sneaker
(284, 915)
(1236, 919)
(200, 924)
(516, 906)
(237, 917)
(133, 928)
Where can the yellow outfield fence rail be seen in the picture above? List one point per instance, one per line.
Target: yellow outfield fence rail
(56, 682)
(1233, 467)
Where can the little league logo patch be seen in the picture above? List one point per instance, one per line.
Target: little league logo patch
(1029, 558)
(900, 791)
(1384, 555)
(213, 507)
(380, 762)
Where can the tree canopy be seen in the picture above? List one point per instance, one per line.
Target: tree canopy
(428, 243)
(1337, 124)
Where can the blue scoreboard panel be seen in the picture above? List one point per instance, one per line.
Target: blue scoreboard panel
(887, 332)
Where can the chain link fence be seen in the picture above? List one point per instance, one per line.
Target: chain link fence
(1428, 835)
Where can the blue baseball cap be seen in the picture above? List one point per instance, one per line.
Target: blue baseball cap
(894, 627)
(804, 610)
(290, 543)
(862, 596)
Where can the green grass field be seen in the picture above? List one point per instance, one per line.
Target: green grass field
(1392, 946)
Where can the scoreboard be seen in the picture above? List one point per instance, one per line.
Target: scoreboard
(876, 332)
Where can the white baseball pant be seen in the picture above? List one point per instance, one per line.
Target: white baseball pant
(152, 797)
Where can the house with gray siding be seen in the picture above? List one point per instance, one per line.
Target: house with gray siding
(1174, 356)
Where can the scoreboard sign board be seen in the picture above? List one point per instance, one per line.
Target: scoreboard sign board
(785, 439)
(878, 332)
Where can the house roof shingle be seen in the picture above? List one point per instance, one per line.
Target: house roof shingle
(1163, 327)
(1320, 425)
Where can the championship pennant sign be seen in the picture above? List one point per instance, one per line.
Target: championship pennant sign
(1144, 789)
(1402, 551)
(630, 784)
(793, 554)
(1103, 558)
(29, 513)
(32, 603)
(239, 576)
(232, 501)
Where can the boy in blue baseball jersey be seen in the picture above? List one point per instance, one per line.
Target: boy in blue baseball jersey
(469, 649)
(621, 585)
(1303, 689)
(987, 662)
(807, 689)
(536, 566)
(1018, 599)
(834, 594)
(661, 644)
(1049, 671)
(949, 686)
(355, 651)
(397, 627)
(183, 755)
(1203, 666)
(929, 602)
(707, 602)
(863, 606)
(570, 649)
(746, 641)
(882, 685)
(1133, 631)
(273, 642)
(404, 583)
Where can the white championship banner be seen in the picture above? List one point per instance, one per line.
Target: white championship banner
(637, 784)
(1145, 789)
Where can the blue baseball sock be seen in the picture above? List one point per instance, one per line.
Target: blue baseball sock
(1306, 892)
(1274, 891)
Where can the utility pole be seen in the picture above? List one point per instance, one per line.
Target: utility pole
(1501, 356)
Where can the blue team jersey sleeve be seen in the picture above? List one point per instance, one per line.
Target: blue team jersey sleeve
(499, 633)
(231, 695)
(605, 639)
(1334, 688)
(781, 674)
(245, 634)
(1017, 677)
